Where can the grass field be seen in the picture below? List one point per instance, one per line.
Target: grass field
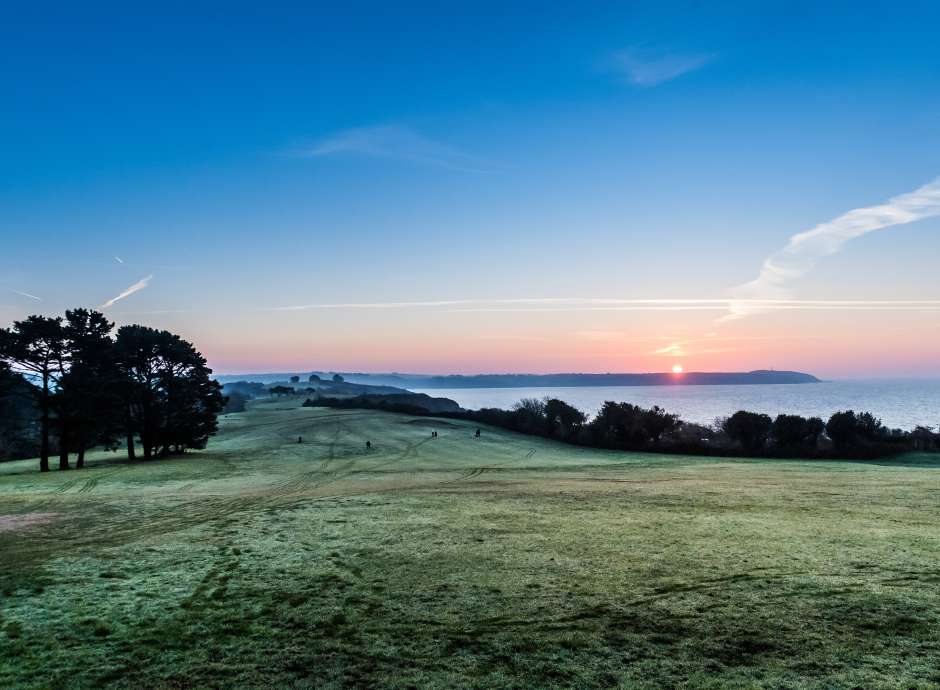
(504, 561)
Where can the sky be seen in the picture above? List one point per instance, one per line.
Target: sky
(485, 187)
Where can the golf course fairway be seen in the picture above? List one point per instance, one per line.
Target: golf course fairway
(499, 561)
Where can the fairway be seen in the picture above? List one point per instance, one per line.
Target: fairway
(500, 561)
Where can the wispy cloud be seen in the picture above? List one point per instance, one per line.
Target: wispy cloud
(398, 142)
(119, 259)
(136, 287)
(645, 67)
(25, 294)
(560, 304)
(688, 348)
(674, 349)
(512, 338)
(805, 249)
(371, 305)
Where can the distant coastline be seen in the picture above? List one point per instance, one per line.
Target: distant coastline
(565, 380)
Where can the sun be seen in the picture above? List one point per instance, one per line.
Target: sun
(676, 368)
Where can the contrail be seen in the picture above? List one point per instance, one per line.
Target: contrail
(136, 287)
(804, 249)
(25, 294)
(399, 142)
(617, 304)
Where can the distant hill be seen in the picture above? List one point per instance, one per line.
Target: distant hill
(419, 403)
(253, 386)
(692, 378)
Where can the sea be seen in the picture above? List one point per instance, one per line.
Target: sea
(900, 403)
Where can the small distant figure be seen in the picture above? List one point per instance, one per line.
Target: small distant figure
(477, 434)
(368, 445)
(300, 439)
(433, 434)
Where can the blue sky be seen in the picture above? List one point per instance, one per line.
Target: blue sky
(238, 159)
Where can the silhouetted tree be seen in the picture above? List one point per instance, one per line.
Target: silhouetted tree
(295, 379)
(36, 347)
(171, 401)
(192, 404)
(563, 420)
(281, 390)
(815, 428)
(870, 427)
(794, 433)
(528, 416)
(750, 429)
(19, 419)
(88, 402)
(849, 431)
(313, 378)
(623, 425)
(842, 429)
(337, 378)
(656, 422)
(924, 438)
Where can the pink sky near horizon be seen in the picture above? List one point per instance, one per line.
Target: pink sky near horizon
(829, 344)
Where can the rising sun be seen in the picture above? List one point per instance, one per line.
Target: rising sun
(676, 368)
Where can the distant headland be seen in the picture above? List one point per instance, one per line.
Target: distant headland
(411, 381)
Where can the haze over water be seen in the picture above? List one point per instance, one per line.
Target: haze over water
(900, 403)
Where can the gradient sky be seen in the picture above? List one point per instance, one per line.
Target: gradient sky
(483, 189)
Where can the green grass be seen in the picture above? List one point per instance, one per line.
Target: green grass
(505, 561)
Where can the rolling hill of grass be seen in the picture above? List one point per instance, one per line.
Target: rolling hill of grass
(504, 561)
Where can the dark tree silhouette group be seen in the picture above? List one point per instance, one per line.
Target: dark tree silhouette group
(92, 387)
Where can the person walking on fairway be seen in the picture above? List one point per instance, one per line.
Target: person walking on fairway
(477, 434)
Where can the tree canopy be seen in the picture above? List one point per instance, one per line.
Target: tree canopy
(89, 388)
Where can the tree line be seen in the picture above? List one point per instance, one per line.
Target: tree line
(89, 386)
(624, 426)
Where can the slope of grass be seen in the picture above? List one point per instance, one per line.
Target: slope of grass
(504, 561)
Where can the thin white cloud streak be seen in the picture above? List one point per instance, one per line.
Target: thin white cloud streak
(645, 68)
(805, 249)
(674, 349)
(512, 338)
(25, 294)
(397, 142)
(704, 307)
(683, 349)
(119, 259)
(136, 287)
(615, 304)
(372, 305)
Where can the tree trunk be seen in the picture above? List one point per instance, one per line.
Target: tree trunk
(44, 426)
(63, 445)
(80, 460)
(148, 449)
(131, 453)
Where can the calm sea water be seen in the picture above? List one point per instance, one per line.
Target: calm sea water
(900, 403)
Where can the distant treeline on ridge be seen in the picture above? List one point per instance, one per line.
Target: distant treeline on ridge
(624, 426)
